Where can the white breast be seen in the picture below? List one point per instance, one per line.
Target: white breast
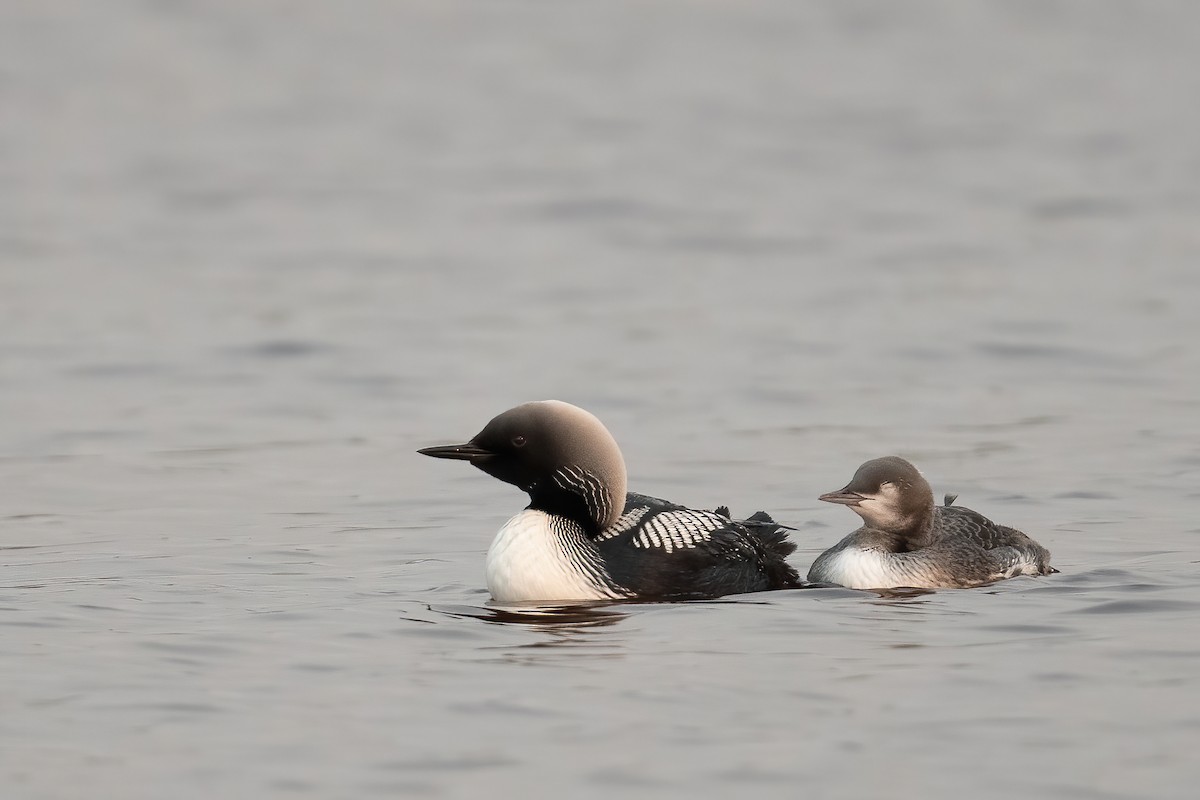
(529, 560)
(857, 568)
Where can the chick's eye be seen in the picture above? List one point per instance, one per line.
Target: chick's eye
(518, 441)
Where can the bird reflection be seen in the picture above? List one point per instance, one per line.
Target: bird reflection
(564, 628)
(564, 617)
(902, 593)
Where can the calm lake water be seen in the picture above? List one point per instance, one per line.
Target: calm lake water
(252, 256)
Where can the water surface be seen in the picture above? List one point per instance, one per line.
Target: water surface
(253, 256)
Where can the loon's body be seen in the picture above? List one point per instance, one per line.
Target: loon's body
(583, 538)
(907, 541)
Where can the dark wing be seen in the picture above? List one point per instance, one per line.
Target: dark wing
(963, 524)
(959, 526)
(760, 525)
(634, 501)
(662, 550)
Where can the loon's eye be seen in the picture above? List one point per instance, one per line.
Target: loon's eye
(518, 441)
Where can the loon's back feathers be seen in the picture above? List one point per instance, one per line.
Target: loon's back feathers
(961, 523)
(773, 538)
(773, 535)
(634, 500)
(665, 546)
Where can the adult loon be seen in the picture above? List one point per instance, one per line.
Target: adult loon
(907, 541)
(583, 538)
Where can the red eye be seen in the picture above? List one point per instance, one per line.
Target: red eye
(518, 441)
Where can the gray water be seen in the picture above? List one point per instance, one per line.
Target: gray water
(254, 255)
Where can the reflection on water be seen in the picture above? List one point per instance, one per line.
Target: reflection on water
(564, 617)
(901, 595)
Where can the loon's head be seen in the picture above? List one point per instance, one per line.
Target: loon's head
(889, 494)
(560, 454)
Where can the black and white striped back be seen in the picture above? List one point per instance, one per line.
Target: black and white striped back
(657, 549)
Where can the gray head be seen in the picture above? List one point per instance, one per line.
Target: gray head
(889, 494)
(560, 454)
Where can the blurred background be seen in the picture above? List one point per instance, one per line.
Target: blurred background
(253, 255)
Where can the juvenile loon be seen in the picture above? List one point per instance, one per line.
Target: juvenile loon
(583, 538)
(907, 541)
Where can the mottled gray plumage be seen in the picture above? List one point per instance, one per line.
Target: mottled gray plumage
(907, 541)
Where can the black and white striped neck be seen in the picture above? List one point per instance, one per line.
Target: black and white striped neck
(578, 495)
